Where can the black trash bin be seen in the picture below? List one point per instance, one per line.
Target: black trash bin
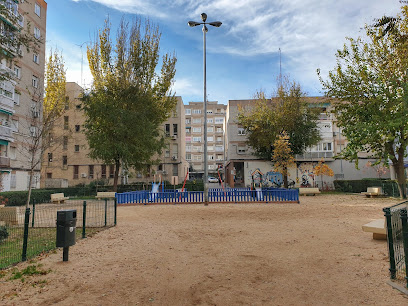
(66, 228)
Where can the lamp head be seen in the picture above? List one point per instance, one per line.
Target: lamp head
(215, 23)
(203, 17)
(193, 23)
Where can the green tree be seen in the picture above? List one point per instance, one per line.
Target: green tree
(129, 100)
(282, 156)
(269, 118)
(371, 84)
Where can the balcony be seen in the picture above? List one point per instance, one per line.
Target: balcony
(315, 156)
(4, 162)
(6, 133)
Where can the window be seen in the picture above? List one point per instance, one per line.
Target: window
(188, 130)
(16, 98)
(65, 143)
(37, 33)
(188, 139)
(76, 148)
(160, 167)
(197, 120)
(167, 153)
(188, 121)
(33, 131)
(197, 149)
(167, 129)
(219, 139)
(91, 171)
(64, 161)
(37, 10)
(34, 82)
(219, 157)
(196, 139)
(210, 138)
(50, 157)
(188, 148)
(209, 111)
(66, 121)
(197, 157)
(12, 153)
(66, 103)
(196, 111)
(78, 106)
(36, 58)
(175, 170)
(210, 148)
(219, 120)
(219, 148)
(14, 125)
(76, 172)
(188, 156)
(210, 129)
(103, 171)
(17, 71)
(219, 130)
(210, 157)
(175, 152)
(196, 130)
(188, 112)
(241, 131)
(175, 129)
(210, 120)
(77, 128)
(241, 150)
(49, 175)
(111, 171)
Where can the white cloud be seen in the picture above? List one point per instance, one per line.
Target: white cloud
(185, 87)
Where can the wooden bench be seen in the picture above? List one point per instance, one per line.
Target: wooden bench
(58, 198)
(105, 195)
(373, 192)
(308, 191)
(378, 228)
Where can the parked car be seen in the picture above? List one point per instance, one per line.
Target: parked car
(212, 179)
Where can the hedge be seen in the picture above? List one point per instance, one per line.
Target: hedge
(390, 187)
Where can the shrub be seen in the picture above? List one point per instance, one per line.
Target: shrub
(3, 233)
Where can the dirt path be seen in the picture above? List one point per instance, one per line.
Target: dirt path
(314, 253)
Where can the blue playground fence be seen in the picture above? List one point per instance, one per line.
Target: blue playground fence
(214, 195)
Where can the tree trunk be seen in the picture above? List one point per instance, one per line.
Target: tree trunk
(400, 173)
(116, 176)
(30, 181)
(285, 178)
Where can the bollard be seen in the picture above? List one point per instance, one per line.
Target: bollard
(84, 220)
(106, 209)
(116, 211)
(25, 241)
(32, 220)
(387, 214)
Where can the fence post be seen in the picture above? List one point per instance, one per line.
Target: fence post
(25, 241)
(116, 212)
(106, 208)
(32, 221)
(387, 214)
(84, 220)
(404, 220)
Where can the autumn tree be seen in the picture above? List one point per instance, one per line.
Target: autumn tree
(282, 156)
(45, 110)
(287, 112)
(129, 100)
(371, 83)
(322, 169)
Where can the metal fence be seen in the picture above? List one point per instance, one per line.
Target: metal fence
(25, 233)
(397, 237)
(270, 195)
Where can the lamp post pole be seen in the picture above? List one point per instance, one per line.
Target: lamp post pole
(205, 29)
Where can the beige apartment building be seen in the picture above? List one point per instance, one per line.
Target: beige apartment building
(194, 140)
(21, 98)
(67, 162)
(242, 164)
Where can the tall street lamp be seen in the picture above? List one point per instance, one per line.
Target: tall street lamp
(205, 30)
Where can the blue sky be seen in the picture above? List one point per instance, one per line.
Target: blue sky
(242, 55)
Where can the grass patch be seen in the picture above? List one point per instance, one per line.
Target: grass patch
(28, 271)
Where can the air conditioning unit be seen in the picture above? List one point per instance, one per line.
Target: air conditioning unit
(36, 114)
(20, 52)
(164, 172)
(174, 157)
(174, 137)
(83, 174)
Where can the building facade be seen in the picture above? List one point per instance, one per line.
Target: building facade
(194, 140)
(67, 163)
(242, 164)
(21, 98)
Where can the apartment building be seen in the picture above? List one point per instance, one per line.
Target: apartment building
(67, 162)
(194, 140)
(21, 98)
(242, 164)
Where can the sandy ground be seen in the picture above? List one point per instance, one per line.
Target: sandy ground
(314, 253)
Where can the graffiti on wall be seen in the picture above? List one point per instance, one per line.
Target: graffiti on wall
(306, 175)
